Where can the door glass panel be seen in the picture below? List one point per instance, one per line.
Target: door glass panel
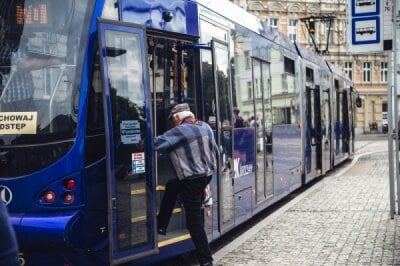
(210, 108)
(127, 87)
(345, 116)
(317, 126)
(225, 120)
(311, 141)
(311, 114)
(269, 183)
(258, 127)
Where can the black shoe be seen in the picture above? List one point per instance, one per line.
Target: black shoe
(162, 231)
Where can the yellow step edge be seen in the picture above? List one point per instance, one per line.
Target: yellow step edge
(143, 190)
(160, 188)
(173, 240)
(143, 218)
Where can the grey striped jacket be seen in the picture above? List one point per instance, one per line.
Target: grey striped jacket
(191, 147)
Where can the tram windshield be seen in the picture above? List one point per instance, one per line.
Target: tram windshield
(41, 51)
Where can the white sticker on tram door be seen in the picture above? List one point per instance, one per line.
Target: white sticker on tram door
(18, 123)
(138, 163)
(130, 131)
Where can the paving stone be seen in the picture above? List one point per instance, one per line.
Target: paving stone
(342, 220)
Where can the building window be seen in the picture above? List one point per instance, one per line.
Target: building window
(249, 90)
(329, 30)
(384, 72)
(247, 59)
(273, 23)
(292, 29)
(348, 69)
(384, 107)
(367, 72)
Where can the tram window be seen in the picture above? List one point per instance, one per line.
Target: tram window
(171, 69)
(309, 74)
(338, 101)
(95, 137)
(41, 62)
(283, 86)
(339, 105)
(210, 31)
(289, 65)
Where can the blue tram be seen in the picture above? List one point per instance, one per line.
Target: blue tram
(86, 85)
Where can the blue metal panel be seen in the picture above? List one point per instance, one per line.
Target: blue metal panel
(243, 152)
(151, 14)
(33, 227)
(46, 230)
(243, 205)
(286, 157)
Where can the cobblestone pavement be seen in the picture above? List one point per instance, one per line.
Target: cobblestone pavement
(341, 220)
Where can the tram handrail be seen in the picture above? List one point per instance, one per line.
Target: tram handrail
(13, 69)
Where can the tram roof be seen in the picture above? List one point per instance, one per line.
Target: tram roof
(336, 70)
(240, 16)
(311, 56)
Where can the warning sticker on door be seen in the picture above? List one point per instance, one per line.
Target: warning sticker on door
(130, 131)
(138, 163)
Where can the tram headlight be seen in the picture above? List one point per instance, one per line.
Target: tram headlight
(68, 198)
(49, 196)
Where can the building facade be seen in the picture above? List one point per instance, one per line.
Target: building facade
(369, 72)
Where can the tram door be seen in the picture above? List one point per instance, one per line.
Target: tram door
(218, 113)
(326, 122)
(129, 173)
(263, 129)
(346, 124)
(313, 130)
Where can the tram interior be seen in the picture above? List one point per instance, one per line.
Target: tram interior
(172, 78)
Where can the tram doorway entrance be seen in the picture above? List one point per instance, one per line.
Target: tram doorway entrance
(172, 75)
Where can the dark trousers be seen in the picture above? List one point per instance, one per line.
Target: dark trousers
(8, 243)
(191, 191)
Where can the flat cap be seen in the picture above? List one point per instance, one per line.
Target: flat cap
(179, 108)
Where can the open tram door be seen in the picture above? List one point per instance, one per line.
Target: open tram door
(131, 222)
(218, 113)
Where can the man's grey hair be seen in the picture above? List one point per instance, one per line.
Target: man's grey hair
(184, 114)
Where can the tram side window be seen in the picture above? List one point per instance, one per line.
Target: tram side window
(95, 136)
(309, 75)
(310, 101)
(338, 102)
(291, 102)
(283, 89)
(171, 69)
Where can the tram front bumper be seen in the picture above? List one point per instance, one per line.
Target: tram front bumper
(50, 231)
